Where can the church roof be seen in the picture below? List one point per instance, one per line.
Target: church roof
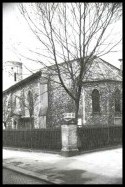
(98, 70)
(101, 70)
(23, 82)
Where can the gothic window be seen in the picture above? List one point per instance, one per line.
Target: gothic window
(15, 78)
(117, 101)
(30, 102)
(15, 101)
(15, 123)
(30, 97)
(95, 101)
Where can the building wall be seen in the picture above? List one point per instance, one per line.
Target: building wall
(7, 105)
(107, 107)
(60, 102)
(50, 106)
(19, 107)
(43, 103)
(32, 86)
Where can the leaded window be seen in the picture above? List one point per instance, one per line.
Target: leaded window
(117, 101)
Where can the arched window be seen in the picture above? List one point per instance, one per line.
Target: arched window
(30, 102)
(30, 97)
(15, 77)
(117, 101)
(95, 101)
(15, 123)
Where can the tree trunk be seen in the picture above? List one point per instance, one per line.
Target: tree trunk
(31, 123)
(76, 111)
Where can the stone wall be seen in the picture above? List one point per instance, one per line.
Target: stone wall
(33, 86)
(21, 92)
(60, 102)
(107, 107)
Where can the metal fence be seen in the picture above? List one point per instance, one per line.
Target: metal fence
(94, 137)
(43, 139)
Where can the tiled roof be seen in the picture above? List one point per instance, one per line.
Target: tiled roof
(101, 70)
(22, 82)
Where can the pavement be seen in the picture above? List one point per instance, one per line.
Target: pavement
(12, 177)
(100, 167)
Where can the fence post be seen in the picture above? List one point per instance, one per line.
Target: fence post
(69, 137)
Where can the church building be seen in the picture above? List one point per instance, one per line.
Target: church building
(38, 102)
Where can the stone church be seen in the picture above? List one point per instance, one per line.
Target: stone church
(41, 101)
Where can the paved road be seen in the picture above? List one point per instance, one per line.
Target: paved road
(11, 177)
(102, 167)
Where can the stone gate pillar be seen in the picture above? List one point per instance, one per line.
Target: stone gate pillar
(69, 136)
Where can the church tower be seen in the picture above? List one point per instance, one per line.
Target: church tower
(12, 73)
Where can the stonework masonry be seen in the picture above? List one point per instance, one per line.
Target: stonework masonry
(21, 92)
(51, 101)
(107, 107)
(60, 102)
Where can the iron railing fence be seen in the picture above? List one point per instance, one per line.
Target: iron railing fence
(89, 138)
(43, 139)
(94, 137)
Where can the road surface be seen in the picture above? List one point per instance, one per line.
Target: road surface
(12, 177)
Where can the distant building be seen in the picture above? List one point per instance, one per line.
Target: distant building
(41, 100)
(12, 73)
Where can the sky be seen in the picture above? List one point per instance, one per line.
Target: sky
(17, 37)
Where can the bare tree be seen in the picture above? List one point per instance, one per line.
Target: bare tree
(27, 103)
(72, 31)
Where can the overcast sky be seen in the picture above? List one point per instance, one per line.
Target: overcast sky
(17, 35)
